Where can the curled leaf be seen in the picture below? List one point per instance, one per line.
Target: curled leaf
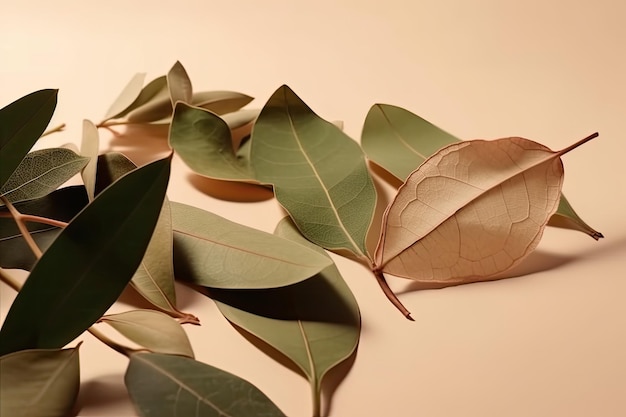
(179, 84)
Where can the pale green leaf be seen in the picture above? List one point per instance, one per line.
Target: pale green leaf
(214, 252)
(127, 97)
(240, 118)
(220, 102)
(42, 172)
(319, 173)
(152, 104)
(89, 147)
(179, 84)
(291, 320)
(39, 383)
(153, 330)
(175, 386)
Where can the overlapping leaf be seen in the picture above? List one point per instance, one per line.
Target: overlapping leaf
(89, 147)
(399, 141)
(179, 84)
(153, 330)
(21, 124)
(291, 320)
(39, 383)
(88, 265)
(123, 103)
(171, 386)
(318, 173)
(214, 252)
(471, 211)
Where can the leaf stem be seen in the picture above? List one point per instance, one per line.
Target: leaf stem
(390, 294)
(9, 280)
(577, 144)
(108, 123)
(186, 318)
(55, 129)
(19, 221)
(38, 219)
(316, 397)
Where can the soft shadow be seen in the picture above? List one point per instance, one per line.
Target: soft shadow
(100, 392)
(333, 378)
(141, 143)
(385, 175)
(381, 205)
(230, 190)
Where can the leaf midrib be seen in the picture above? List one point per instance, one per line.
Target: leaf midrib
(400, 138)
(45, 173)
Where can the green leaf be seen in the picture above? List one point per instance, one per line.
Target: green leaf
(21, 124)
(220, 102)
(203, 141)
(319, 174)
(240, 118)
(88, 265)
(42, 172)
(152, 104)
(214, 252)
(39, 383)
(399, 141)
(111, 167)
(172, 386)
(89, 147)
(291, 320)
(153, 330)
(179, 84)
(127, 97)
(61, 205)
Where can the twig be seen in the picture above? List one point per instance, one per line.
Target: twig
(37, 219)
(19, 221)
(55, 129)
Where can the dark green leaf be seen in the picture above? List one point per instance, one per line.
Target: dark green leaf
(21, 124)
(173, 386)
(88, 265)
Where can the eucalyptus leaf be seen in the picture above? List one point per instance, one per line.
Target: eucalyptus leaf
(319, 174)
(62, 204)
(152, 104)
(39, 383)
(127, 97)
(89, 147)
(292, 320)
(220, 102)
(153, 330)
(21, 124)
(203, 141)
(214, 252)
(42, 172)
(179, 84)
(88, 265)
(240, 118)
(172, 386)
(399, 141)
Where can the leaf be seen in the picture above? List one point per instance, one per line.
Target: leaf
(21, 124)
(318, 173)
(471, 211)
(290, 318)
(240, 118)
(61, 205)
(39, 383)
(88, 265)
(179, 84)
(171, 386)
(42, 172)
(214, 252)
(153, 330)
(399, 141)
(220, 102)
(89, 148)
(204, 142)
(127, 97)
(111, 167)
(153, 101)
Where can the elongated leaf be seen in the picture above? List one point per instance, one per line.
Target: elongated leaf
(399, 141)
(214, 252)
(89, 148)
(154, 279)
(179, 84)
(220, 102)
(152, 104)
(471, 211)
(290, 319)
(88, 265)
(39, 383)
(203, 140)
(319, 174)
(172, 386)
(21, 124)
(153, 330)
(42, 172)
(240, 118)
(61, 205)
(127, 97)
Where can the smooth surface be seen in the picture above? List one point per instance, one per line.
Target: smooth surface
(552, 343)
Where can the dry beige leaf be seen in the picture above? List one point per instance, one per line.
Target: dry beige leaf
(471, 211)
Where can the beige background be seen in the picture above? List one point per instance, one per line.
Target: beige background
(552, 343)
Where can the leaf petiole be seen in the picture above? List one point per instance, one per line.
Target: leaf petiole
(55, 129)
(21, 225)
(390, 294)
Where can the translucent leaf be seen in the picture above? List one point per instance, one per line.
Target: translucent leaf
(89, 147)
(179, 84)
(42, 172)
(153, 330)
(127, 97)
(214, 252)
(88, 265)
(290, 318)
(172, 386)
(39, 383)
(318, 173)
